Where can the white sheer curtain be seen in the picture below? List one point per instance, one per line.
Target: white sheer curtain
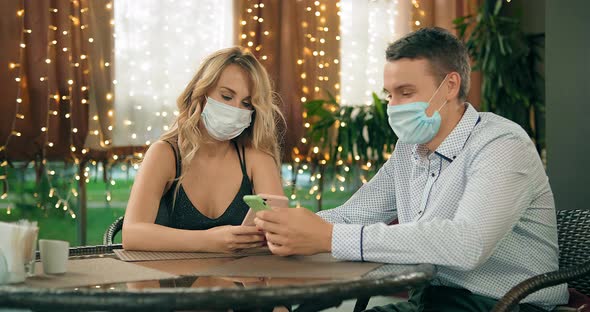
(367, 27)
(158, 47)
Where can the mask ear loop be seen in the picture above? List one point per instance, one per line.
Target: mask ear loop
(443, 105)
(435, 92)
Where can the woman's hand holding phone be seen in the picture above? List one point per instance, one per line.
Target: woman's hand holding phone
(229, 238)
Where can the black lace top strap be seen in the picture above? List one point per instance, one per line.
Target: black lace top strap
(242, 157)
(177, 158)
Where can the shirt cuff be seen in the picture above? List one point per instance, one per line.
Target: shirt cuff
(347, 241)
(324, 214)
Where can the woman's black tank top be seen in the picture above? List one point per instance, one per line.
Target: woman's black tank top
(184, 215)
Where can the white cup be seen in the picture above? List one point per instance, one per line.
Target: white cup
(54, 255)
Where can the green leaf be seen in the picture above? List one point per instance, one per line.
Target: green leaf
(379, 107)
(501, 43)
(460, 20)
(314, 106)
(332, 99)
(498, 7)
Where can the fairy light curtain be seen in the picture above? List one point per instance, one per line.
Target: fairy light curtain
(55, 53)
(298, 43)
(367, 27)
(53, 77)
(158, 47)
(440, 13)
(58, 86)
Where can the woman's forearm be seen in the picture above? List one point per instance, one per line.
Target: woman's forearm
(154, 237)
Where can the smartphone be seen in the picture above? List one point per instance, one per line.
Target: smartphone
(275, 201)
(256, 203)
(262, 202)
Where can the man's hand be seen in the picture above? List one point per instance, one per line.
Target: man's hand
(295, 231)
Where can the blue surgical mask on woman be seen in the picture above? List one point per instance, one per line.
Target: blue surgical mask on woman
(410, 122)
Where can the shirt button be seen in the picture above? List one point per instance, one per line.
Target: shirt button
(433, 175)
(420, 212)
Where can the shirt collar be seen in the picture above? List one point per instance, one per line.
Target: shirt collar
(452, 145)
(420, 154)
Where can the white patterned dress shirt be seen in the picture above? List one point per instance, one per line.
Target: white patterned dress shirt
(480, 208)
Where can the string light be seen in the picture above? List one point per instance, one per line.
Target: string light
(418, 15)
(18, 115)
(155, 59)
(316, 31)
(317, 75)
(63, 102)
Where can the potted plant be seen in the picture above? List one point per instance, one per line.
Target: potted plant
(508, 59)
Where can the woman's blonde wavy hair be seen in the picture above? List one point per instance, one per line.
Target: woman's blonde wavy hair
(262, 134)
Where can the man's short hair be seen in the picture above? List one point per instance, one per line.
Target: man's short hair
(443, 50)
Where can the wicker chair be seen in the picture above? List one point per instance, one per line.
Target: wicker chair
(574, 252)
(112, 231)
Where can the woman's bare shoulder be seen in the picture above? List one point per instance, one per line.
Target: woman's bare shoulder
(160, 156)
(257, 156)
(161, 150)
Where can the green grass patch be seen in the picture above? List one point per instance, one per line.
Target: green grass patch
(32, 201)
(53, 224)
(63, 227)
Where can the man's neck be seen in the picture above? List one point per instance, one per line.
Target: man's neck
(453, 115)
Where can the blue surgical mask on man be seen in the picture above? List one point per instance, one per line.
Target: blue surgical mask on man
(410, 122)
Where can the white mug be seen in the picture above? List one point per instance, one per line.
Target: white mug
(54, 255)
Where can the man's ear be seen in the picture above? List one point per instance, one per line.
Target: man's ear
(453, 85)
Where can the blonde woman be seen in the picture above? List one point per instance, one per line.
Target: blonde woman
(187, 195)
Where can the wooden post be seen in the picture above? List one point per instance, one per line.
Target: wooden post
(82, 204)
(294, 173)
(321, 186)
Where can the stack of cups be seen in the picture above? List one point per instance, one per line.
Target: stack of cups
(17, 250)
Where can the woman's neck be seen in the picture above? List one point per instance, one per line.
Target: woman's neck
(211, 148)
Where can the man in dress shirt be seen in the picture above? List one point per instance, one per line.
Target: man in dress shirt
(468, 188)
